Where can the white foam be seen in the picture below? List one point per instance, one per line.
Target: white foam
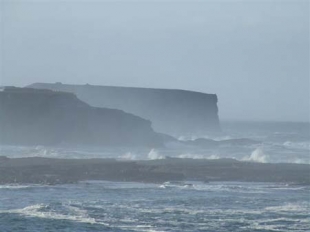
(178, 185)
(191, 156)
(297, 145)
(213, 157)
(15, 186)
(144, 228)
(40, 211)
(288, 207)
(281, 219)
(193, 137)
(128, 156)
(276, 224)
(301, 161)
(154, 155)
(197, 156)
(257, 155)
(257, 226)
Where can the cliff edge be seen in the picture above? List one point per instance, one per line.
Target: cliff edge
(174, 112)
(45, 117)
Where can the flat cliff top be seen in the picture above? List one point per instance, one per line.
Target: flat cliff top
(172, 111)
(14, 96)
(142, 90)
(29, 96)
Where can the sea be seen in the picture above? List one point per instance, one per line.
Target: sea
(169, 206)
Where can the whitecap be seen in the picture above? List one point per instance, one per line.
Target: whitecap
(16, 186)
(288, 207)
(154, 155)
(190, 156)
(45, 211)
(128, 156)
(197, 156)
(257, 155)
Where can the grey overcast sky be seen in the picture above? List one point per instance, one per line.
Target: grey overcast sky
(253, 54)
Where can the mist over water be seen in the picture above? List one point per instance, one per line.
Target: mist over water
(143, 91)
(278, 143)
(187, 205)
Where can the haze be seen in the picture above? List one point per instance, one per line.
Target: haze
(253, 54)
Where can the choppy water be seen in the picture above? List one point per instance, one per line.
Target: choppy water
(194, 206)
(110, 206)
(280, 142)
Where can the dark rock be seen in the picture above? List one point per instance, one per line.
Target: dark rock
(45, 117)
(174, 112)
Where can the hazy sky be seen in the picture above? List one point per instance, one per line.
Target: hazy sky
(253, 54)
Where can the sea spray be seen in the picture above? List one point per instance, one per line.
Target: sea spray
(128, 156)
(197, 156)
(154, 155)
(257, 155)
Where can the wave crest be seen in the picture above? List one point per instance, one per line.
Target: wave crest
(257, 155)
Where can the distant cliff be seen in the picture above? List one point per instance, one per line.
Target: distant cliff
(174, 112)
(44, 117)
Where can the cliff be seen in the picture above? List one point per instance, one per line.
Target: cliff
(174, 112)
(44, 117)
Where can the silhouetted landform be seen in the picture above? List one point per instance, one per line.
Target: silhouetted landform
(209, 143)
(174, 112)
(44, 117)
(37, 170)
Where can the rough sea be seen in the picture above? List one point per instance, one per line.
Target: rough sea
(169, 206)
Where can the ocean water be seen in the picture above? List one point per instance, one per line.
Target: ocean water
(278, 142)
(181, 206)
(112, 206)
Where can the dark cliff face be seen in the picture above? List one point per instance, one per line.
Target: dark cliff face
(44, 117)
(175, 112)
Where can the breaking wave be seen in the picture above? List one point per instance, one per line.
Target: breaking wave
(154, 155)
(69, 212)
(197, 156)
(128, 156)
(257, 155)
(288, 207)
(19, 187)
